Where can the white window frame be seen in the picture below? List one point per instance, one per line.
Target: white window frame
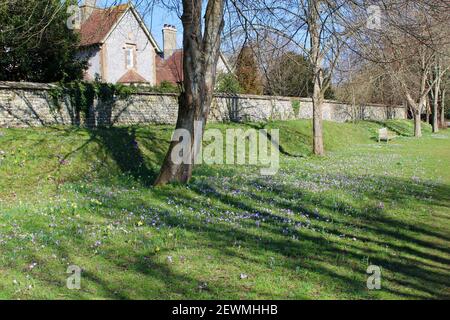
(130, 52)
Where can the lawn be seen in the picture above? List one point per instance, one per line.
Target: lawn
(83, 197)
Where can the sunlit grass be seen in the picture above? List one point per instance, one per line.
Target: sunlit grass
(79, 197)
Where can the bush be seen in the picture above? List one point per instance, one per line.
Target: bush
(163, 87)
(227, 83)
(167, 87)
(247, 72)
(35, 44)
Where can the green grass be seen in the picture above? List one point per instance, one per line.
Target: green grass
(78, 197)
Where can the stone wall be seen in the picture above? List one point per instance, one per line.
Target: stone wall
(26, 104)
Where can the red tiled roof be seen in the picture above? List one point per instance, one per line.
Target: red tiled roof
(98, 25)
(132, 77)
(171, 69)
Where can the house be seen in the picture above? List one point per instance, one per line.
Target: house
(120, 48)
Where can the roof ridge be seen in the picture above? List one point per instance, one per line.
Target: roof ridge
(100, 23)
(119, 6)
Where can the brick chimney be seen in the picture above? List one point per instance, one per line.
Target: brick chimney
(87, 9)
(170, 40)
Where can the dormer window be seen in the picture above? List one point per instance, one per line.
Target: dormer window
(130, 57)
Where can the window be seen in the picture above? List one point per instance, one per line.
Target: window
(130, 57)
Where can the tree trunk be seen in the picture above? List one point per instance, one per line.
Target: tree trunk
(416, 109)
(443, 109)
(200, 57)
(316, 58)
(435, 111)
(175, 172)
(417, 124)
(317, 121)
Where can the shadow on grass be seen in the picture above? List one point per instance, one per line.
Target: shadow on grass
(126, 146)
(401, 128)
(419, 255)
(414, 257)
(137, 151)
(413, 251)
(279, 145)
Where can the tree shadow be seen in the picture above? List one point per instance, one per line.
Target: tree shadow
(415, 257)
(279, 145)
(421, 264)
(413, 265)
(401, 128)
(126, 145)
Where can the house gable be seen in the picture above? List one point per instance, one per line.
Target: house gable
(128, 43)
(102, 22)
(99, 24)
(122, 46)
(141, 24)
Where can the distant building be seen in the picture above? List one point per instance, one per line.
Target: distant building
(120, 48)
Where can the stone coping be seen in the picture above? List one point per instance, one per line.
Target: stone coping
(7, 85)
(26, 85)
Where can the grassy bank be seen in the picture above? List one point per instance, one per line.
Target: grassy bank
(84, 197)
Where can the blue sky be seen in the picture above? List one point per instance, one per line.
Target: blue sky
(155, 16)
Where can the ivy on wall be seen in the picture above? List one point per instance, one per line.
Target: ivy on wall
(296, 107)
(82, 95)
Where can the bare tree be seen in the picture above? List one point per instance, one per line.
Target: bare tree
(435, 94)
(438, 77)
(316, 58)
(443, 125)
(445, 83)
(324, 42)
(201, 46)
(406, 45)
(413, 83)
(313, 27)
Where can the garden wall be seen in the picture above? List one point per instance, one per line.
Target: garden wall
(28, 104)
